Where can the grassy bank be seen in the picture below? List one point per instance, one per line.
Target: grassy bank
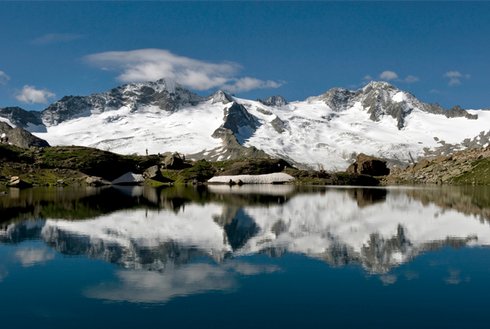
(70, 165)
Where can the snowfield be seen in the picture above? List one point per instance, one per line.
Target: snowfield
(121, 131)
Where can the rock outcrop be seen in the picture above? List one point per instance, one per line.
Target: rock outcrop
(274, 101)
(164, 94)
(154, 173)
(368, 165)
(21, 137)
(174, 161)
(19, 117)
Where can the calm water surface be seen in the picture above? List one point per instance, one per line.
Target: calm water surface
(245, 257)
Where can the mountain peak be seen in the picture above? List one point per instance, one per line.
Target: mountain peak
(158, 86)
(378, 85)
(221, 97)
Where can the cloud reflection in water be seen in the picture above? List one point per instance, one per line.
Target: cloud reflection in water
(142, 286)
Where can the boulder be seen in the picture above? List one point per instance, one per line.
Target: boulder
(15, 181)
(154, 173)
(368, 165)
(174, 161)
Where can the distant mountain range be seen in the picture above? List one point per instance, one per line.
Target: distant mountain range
(328, 130)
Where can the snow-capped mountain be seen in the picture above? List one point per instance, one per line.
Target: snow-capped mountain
(164, 94)
(328, 130)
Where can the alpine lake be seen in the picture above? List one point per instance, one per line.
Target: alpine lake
(252, 256)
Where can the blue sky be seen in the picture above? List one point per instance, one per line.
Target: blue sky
(439, 51)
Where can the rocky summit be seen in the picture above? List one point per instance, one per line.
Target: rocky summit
(326, 131)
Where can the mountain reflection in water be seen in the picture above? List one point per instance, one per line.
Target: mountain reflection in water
(180, 241)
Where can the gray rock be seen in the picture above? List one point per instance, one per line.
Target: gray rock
(22, 118)
(21, 137)
(376, 98)
(237, 120)
(279, 125)
(162, 93)
(277, 101)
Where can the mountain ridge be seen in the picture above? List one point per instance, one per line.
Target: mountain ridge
(327, 130)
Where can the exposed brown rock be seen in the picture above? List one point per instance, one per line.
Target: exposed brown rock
(440, 169)
(154, 173)
(174, 161)
(368, 165)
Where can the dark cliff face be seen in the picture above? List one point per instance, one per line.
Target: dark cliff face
(238, 122)
(277, 101)
(22, 118)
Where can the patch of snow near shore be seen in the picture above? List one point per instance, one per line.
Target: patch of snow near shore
(253, 179)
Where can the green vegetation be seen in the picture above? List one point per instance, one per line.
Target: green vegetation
(202, 170)
(10, 153)
(92, 161)
(478, 175)
(69, 165)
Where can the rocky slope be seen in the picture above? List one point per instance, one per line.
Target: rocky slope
(20, 137)
(463, 167)
(328, 130)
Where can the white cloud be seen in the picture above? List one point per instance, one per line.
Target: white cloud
(4, 78)
(411, 79)
(455, 77)
(31, 257)
(393, 76)
(388, 75)
(51, 38)
(152, 64)
(248, 83)
(29, 94)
